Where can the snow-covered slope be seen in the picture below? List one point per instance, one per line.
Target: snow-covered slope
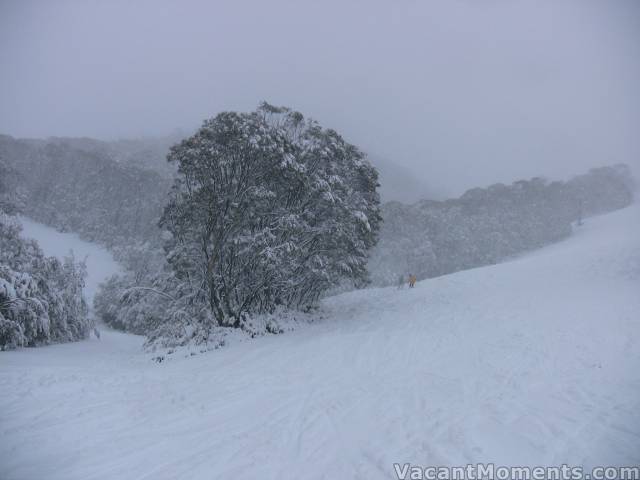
(535, 361)
(100, 263)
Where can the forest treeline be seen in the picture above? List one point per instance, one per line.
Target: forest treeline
(72, 188)
(487, 225)
(267, 210)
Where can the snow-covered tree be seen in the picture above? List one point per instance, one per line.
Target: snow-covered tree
(268, 209)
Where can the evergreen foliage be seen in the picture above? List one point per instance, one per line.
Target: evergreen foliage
(268, 209)
(41, 297)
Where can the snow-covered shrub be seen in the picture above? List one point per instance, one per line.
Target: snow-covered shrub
(159, 306)
(125, 305)
(40, 297)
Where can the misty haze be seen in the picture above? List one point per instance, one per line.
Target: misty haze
(308, 240)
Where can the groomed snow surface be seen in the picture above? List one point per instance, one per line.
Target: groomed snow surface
(531, 362)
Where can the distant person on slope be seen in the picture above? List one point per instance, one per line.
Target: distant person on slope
(412, 280)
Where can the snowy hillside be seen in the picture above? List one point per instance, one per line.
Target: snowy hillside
(534, 361)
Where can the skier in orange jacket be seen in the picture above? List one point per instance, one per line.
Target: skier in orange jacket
(412, 280)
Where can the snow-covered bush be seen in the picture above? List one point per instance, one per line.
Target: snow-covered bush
(160, 306)
(125, 304)
(40, 297)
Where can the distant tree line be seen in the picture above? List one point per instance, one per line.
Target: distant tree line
(487, 225)
(100, 200)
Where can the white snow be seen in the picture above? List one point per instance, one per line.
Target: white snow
(534, 361)
(100, 263)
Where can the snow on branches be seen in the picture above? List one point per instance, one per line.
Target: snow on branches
(40, 297)
(268, 209)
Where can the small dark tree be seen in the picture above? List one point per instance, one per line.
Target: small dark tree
(268, 209)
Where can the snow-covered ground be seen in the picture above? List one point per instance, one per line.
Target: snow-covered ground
(535, 361)
(100, 263)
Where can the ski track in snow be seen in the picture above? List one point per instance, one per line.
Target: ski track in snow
(530, 362)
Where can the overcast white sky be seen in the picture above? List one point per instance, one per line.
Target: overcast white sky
(461, 93)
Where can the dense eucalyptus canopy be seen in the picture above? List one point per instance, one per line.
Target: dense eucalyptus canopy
(269, 209)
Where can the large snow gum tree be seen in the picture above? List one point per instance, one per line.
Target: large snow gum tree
(268, 209)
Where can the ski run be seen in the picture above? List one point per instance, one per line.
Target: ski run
(530, 362)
